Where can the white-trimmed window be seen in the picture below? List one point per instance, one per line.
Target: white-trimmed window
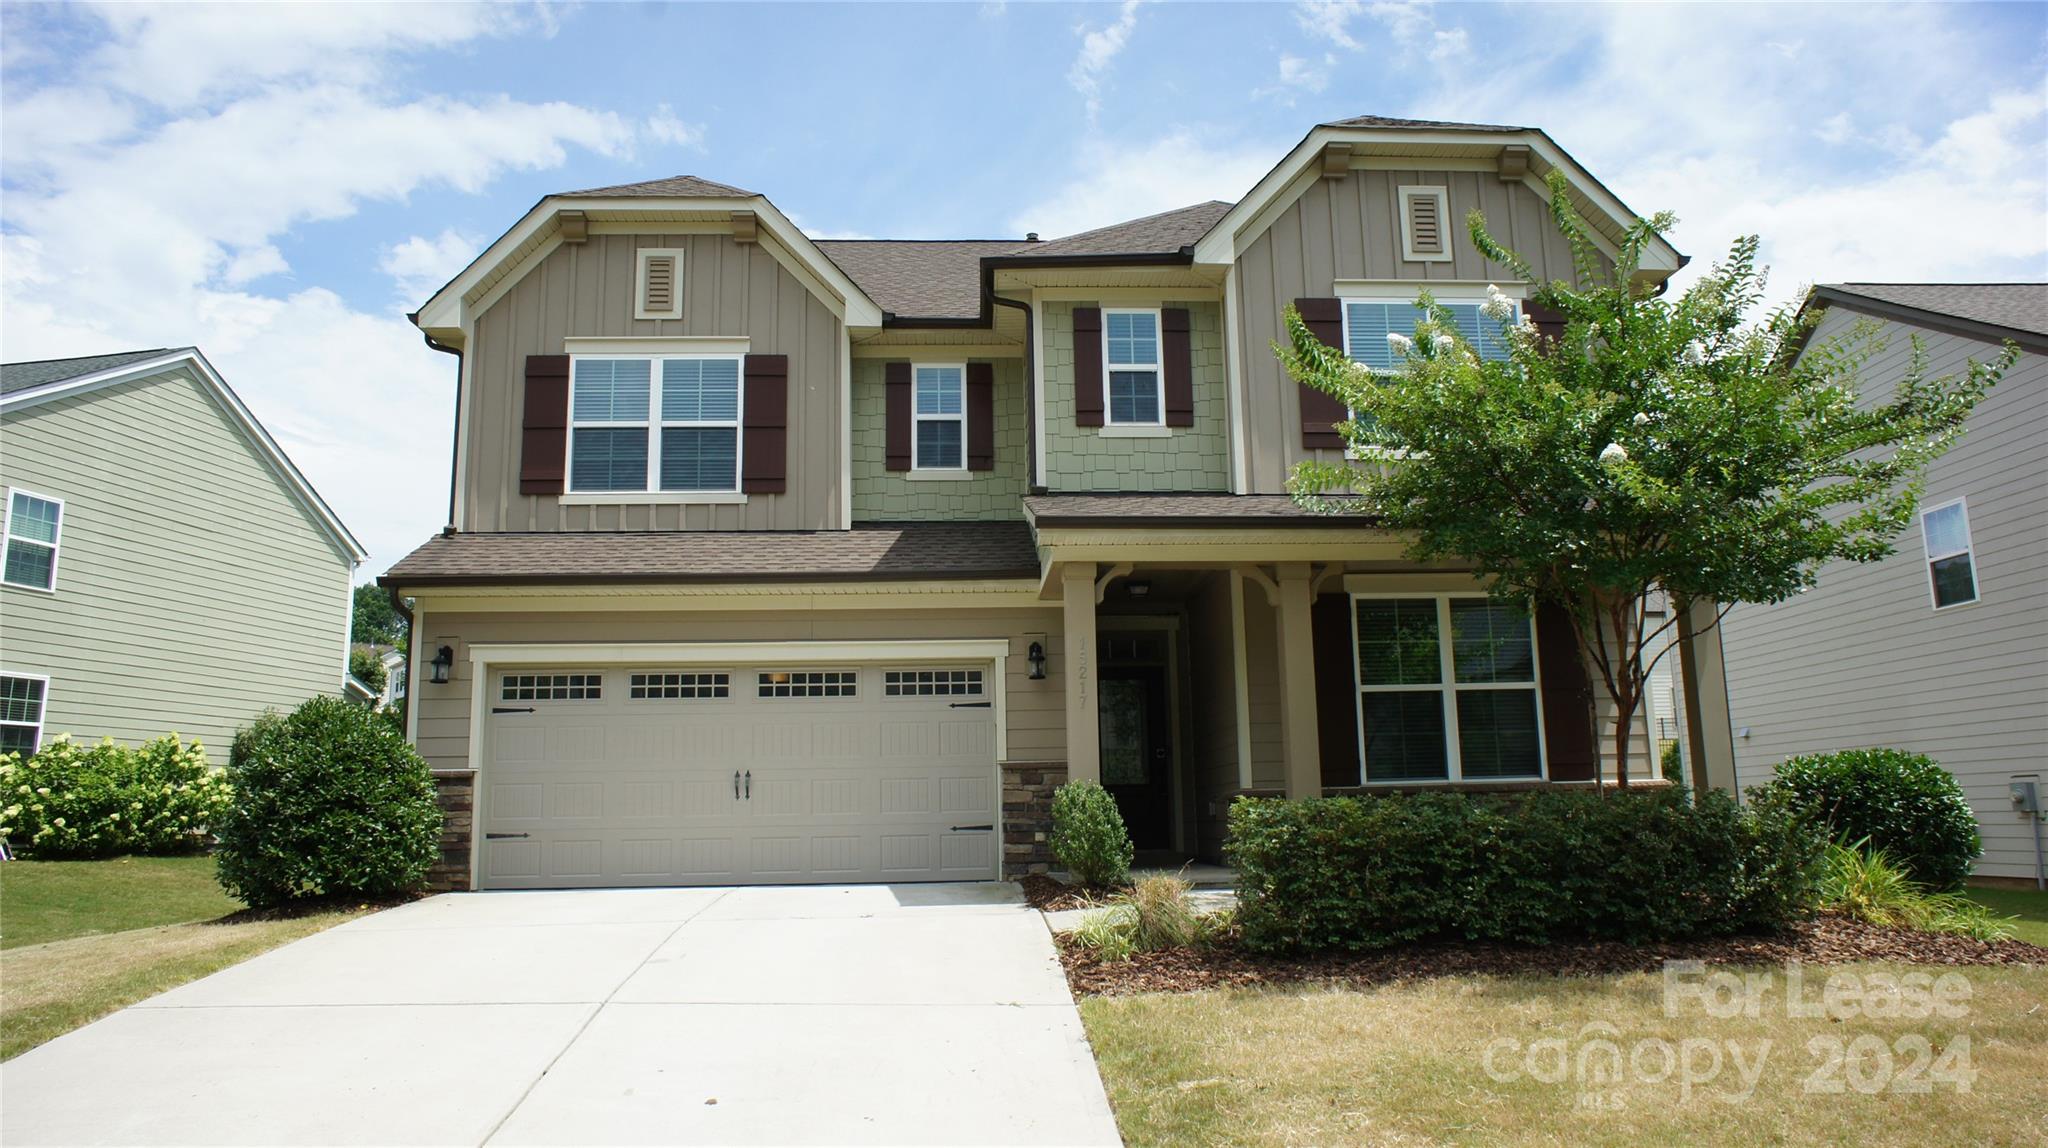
(1368, 322)
(1447, 689)
(1951, 562)
(662, 424)
(22, 701)
(34, 522)
(939, 411)
(807, 683)
(1134, 387)
(931, 683)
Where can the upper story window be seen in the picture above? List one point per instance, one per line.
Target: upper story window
(940, 442)
(1951, 563)
(33, 524)
(1130, 355)
(1368, 322)
(660, 424)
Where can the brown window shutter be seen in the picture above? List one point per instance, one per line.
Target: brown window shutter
(1177, 359)
(1088, 366)
(1548, 323)
(896, 437)
(544, 429)
(1567, 697)
(981, 416)
(764, 466)
(1320, 410)
(1336, 653)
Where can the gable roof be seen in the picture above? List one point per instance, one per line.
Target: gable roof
(1168, 232)
(40, 372)
(134, 366)
(674, 187)
(921, 278)
(1395, 122)
(2015, 308)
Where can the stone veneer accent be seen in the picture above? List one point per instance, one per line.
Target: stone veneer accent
(1027, 815)
(456, 791)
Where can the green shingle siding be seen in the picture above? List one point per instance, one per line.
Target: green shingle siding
(1191, 458)
(883, 495)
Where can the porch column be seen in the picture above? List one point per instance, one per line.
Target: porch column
(1709, 732)
(1300, 749)
(1084, 745)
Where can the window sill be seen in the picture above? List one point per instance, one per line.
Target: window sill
(915, 475)
(51, 590)
(654, 498)
(1128, 430)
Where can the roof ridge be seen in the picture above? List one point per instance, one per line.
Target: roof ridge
(1144, 219)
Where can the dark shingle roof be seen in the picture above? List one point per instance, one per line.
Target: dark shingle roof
(22, 376)
(1179, 510)
(672, 187)
(2015, 306)
(920, 278)
(872, 553)
(1161, 234)
(1393, 122)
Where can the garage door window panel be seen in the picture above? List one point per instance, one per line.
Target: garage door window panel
(552, 687)
(807, 683)
(931, 683)
(663, 685)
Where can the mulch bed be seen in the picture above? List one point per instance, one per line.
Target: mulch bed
(1052, 895)
(1830, 940)
(313, 907)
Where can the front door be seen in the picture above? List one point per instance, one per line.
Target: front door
(1137, 751)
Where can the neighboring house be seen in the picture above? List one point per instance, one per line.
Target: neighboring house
(166, 568)
(783, 560)
(1943, 647)
(393, 660)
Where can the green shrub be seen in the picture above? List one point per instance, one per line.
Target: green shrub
(329, 801)
(1376, 871)
(1671, 763)
(1866, 884)
(68, 802)
(1904, 804)
(1088, 836)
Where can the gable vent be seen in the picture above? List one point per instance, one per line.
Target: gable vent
(1423, 212)
(661, 285)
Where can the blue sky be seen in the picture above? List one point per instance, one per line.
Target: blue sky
(279, 184)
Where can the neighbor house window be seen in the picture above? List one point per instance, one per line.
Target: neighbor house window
(1447, 689)
(1951, 565)
(33, 523)
(22, 697)
(1130, 355)
(941, 416)
(666, 424)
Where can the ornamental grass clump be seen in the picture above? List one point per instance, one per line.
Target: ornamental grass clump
(71, 802)
(1866, 884)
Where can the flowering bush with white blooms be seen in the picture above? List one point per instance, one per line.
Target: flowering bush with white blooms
(1616, 443)
(70, 801)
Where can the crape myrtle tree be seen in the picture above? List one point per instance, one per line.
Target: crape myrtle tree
(1648, 444)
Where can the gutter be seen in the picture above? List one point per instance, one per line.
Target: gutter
(1030, 389)
(445, 349)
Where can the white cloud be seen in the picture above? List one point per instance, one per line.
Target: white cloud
(664, 126)
(1099, 49)
(1297, 75)
(1410, 26)
(1330, 20)
(1125, 181)
(420, 266)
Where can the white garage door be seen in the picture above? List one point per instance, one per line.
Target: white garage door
(651, 775)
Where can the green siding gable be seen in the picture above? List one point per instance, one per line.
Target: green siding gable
(1190, 459)
(883, 495)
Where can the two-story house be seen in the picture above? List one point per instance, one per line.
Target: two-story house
(781, 560)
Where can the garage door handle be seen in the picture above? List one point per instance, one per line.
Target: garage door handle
(735, 785)
(974, 828)
(750, 785)
(511, 709)
(502, 836)
(970, 705)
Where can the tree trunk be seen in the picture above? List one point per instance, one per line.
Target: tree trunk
(1624, 718)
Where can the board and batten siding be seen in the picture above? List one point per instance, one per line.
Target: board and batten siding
(587, 290)
(1036, 710)
(884, 495)
(1349, 229)
(194, 590)
(1863, 659)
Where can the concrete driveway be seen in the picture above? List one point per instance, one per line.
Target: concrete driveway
(909, 1014)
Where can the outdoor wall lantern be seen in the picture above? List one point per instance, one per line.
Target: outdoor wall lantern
(1036, 657)
(444, 660)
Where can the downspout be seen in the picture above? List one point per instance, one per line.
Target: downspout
(1031, 483)
(448, 350)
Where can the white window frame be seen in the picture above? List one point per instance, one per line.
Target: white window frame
(917, 418)
(1443, 295)
(7, 538)
(1157, 367)
(1969, 551)
(1442, 195)
(640, 261)
(1449, 687)
(42, 711)
(654, 424)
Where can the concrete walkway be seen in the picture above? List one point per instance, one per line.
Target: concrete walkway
(910, 1014)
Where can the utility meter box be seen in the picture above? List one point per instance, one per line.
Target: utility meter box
(2026, 797)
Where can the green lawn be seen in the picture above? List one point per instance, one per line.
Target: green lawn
(43, 901)
(2029, 906)
(84, 938)
(1408, 1064)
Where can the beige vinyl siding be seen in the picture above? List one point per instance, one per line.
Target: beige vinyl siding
(1348, 229)
(586, 290)
(194, 589)
(1863, 659)
(884, 495)
(1036, 711)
